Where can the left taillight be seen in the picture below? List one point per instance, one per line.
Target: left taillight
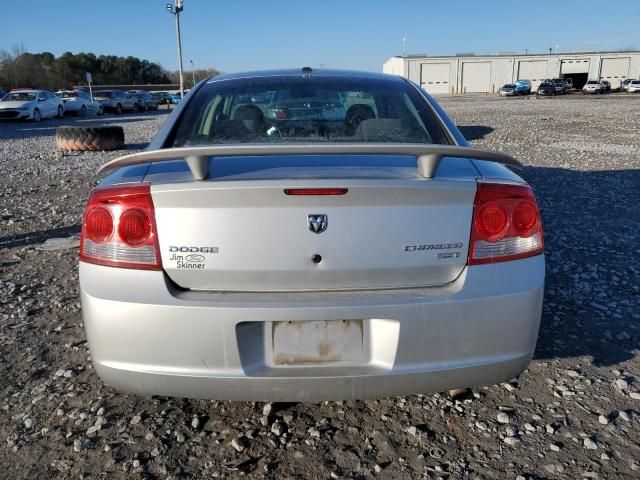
(119, 228)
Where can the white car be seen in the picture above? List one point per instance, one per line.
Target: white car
(30, 105)
(79, 101)
(634, 86)
(593, 86)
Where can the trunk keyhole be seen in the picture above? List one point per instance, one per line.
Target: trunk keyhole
(315, 258)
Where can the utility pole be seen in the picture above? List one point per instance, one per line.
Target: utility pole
(193, 73)
(176, 9)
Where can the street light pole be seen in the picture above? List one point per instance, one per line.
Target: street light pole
(193, 73)
(176, 9)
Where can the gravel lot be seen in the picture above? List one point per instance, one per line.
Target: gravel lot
(574, 414)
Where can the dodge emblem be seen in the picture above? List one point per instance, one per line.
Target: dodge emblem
(318, 222)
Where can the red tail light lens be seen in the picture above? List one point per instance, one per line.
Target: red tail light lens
(492, 221)
(135, 227)
(119, 229)
(99, 224)
(506, 224)
(316, 191)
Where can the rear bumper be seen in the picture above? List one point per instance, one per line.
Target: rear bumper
(147, 337)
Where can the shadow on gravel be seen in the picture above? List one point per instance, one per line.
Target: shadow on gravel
(475, 132)
(592, 246)
(40, 236)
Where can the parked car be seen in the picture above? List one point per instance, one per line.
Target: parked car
(546, 88)
(523, 87)
(298, 105)
(560, 86)
(79, 102)
(116, 100)
(624, 85)
(175, 98)
(145, 100)
(606, 86)
(592, 86)
(569, 83)
(634, 86)
(30, 104)
(163, 98)
(320, 259)
(508, 90)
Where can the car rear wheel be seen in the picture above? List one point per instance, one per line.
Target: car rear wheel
(60, 111)
(37, 116)
(81, 138)
(119, 109)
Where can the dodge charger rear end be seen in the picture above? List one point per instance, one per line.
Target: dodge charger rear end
(299, 235)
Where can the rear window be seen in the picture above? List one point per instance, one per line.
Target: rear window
(297, 109)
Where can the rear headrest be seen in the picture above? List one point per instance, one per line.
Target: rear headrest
(248, 112)
(224, 130)
(355, 115)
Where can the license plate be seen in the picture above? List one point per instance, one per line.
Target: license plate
(317, 342)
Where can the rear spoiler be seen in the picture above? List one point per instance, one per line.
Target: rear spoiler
(427, 156)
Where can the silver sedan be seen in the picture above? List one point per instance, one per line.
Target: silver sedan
(302, 256)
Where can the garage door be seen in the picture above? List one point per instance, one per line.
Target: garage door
(434, 77)
(615, 70)
(476, 77)
(581, 65)
(534, 70)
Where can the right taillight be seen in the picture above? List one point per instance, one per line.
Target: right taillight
(506, 224)
(119, 228)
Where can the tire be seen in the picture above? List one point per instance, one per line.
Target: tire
(37, 116)
(119, 109)
(60, 111)
(83, 138)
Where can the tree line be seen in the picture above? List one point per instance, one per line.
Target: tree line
(21, 69)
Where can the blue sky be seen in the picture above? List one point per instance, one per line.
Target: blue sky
(234, 35)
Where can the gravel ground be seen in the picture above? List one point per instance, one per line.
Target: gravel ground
(575, 413)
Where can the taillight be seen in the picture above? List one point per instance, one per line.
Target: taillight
(119, 228)
(506, 224)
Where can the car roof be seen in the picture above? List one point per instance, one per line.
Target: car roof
(298, 72)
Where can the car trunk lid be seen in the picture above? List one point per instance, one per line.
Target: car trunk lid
(240, 231)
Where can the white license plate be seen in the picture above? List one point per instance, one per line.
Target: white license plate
(317, 342)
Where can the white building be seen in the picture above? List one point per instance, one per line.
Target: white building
(468, 73)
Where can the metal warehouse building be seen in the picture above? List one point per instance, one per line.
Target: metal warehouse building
(469, 73)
